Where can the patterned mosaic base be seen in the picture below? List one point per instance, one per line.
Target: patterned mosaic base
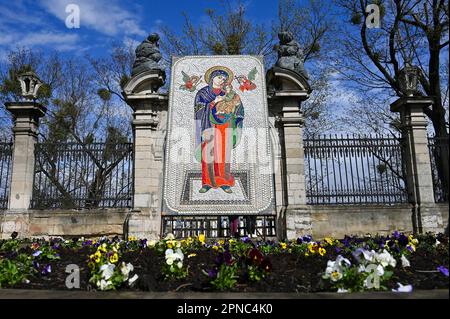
(248, 150)
(192, 196)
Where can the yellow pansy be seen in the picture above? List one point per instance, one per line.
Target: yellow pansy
(328, 240)
(221, 242)
(97, 256)
(215, 247)
(192, 255)
(114, 258)
(283, 245)
(322, 251)
(201, 238)
(312, 247)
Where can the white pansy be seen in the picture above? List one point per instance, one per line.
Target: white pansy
(169, 261)
(385, 259)
(401, 288)
(334, 270)
(170, 236)
(437, 243)
(380, 270)
(369, 255)
(151, 243)
(180, 264)
(169, 252)
(340, 260)
(125, 269)
(103, 284)
(336, 275)
(132, 279)
(107, 270)
(361, 268)
(405, 262)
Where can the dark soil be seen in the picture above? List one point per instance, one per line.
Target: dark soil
(290, 272)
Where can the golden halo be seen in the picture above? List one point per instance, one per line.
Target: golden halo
(215, 68)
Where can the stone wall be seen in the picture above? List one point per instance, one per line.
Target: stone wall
(337, 221)
(334, 221)
(64, 223)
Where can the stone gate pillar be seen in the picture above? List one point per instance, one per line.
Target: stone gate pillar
(26, 116)
(419, 178)
(287, 89)
(149, 114)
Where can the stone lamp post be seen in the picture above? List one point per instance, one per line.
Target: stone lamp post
(409, 79)
(26, 116)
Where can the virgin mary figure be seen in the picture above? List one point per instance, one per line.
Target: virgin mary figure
(219, 116)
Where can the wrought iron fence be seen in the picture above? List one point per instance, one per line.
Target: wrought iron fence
(216, 226)
(354, 169)
(6, 148)
(439, 157)
(73, 175)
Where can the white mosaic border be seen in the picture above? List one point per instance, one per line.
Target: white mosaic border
(174, 174)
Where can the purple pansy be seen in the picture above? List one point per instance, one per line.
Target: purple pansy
(443, 270)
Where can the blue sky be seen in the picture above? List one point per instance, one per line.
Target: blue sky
(40, 24)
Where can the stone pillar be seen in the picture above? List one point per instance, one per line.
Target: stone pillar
(287, 89)
(26, 124)
(149, 115)
(425, 216)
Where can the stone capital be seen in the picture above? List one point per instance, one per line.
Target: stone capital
(411, 103)
(26, 116)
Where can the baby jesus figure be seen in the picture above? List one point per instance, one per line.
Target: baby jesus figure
(229, 102)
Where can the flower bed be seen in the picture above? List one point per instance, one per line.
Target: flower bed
(397, 262)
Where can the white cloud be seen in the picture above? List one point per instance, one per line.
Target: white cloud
(104, 16)
(48, 38)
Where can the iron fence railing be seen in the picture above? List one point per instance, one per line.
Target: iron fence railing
(439, 157)
(73, 175)
(183, 226)
(354, 170)
(6, 149)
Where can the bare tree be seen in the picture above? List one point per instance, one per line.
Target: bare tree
(414, 31)
(79, 112)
